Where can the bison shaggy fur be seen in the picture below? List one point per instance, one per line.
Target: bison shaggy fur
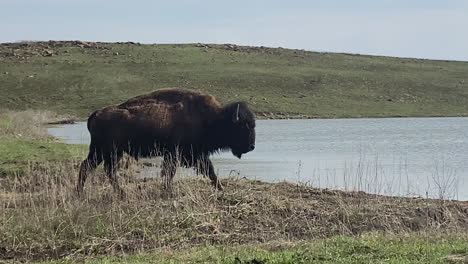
(183, 126)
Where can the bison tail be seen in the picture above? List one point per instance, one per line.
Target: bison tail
(90, 119)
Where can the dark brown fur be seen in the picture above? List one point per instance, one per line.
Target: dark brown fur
(182, 126)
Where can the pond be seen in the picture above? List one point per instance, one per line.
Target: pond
(391, 156)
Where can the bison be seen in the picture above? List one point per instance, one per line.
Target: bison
(184, 127)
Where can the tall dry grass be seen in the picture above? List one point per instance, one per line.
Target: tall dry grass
(440, 180)
(41, 216)
(28, 124)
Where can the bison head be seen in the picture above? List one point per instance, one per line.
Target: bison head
(241, 128)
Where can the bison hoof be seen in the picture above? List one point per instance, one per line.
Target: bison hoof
(218, 186)
(122, 195)
(79, 192)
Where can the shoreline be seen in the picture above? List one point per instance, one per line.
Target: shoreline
(194, 215)
(262, 116)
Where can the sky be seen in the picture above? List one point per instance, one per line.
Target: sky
(432, 29)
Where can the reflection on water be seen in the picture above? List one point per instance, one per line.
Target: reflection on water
(396, 156)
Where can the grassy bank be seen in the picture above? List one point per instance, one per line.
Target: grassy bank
(24, 142)
(17, 154)
(77, 78)
(41, 218)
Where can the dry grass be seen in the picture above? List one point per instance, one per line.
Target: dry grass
(42, 218)
(26, 124)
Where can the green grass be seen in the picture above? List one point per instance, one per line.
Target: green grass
(368, 248)
(16, 155)
(79, 80)
(24, 142)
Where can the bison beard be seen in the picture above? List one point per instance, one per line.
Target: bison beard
(182, 126)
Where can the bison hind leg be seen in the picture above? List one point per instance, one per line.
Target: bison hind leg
(88, 165)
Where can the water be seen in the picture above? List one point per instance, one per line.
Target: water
(394, 156)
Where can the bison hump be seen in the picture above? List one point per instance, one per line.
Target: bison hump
(156, 115)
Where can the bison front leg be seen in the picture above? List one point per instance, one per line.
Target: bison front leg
(168, 169)
(205, 167)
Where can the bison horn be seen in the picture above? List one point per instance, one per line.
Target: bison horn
(237, 113)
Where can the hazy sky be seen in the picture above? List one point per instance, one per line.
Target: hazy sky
(436, 29)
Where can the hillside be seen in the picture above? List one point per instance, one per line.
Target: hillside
(77, 77)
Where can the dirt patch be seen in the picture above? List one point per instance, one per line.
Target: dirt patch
(457, 258)
(63, 122)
